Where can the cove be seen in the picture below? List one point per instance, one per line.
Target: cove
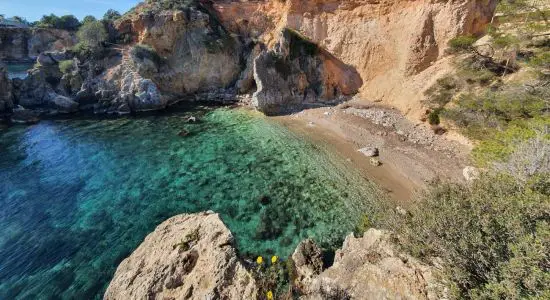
(79, 195)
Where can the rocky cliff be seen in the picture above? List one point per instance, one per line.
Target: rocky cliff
(396, 46)
(287, 54)
(21, 44)
(193, 257)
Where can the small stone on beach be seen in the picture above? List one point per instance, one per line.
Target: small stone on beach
(369, 151)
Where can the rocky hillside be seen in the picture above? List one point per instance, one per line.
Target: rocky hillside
(286, 54)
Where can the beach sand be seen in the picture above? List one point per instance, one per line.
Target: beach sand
(411, 154)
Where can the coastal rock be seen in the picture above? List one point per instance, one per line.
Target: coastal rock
(308, 262)
(21, 115)
(297, 72)
(370, 267)
(25, 44)
(64, 104)
(186, 257)
(6, 97)
(197, 53)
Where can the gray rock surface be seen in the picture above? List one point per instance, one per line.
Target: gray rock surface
(186, 257)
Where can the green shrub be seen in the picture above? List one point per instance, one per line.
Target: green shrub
(462, 43)
(433, 117)
(66, 66)
(67, 22)
(493, 237)
(92, 34)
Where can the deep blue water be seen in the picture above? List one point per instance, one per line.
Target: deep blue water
(77, 196)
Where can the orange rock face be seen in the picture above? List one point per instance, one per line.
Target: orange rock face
(396, 46)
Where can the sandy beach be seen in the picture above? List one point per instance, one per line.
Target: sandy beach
(411, 154)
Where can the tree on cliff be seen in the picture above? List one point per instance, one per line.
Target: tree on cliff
(67, 22)
(93, 34)
(111, 15)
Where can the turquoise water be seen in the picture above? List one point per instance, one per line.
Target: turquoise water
(18, 70)
(78, 196)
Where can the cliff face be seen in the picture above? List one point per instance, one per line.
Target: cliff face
(199, 54)
(27, 44)
(394, 45)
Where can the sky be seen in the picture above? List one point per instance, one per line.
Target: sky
(33, 10)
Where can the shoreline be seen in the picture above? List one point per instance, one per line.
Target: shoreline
(408, 163)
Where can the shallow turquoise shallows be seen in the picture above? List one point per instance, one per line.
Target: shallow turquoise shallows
(78, 196)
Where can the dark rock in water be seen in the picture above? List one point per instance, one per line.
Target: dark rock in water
(21, 115)
(265, 200)
(184, 133)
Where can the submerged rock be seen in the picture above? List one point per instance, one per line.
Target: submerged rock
(186, 257)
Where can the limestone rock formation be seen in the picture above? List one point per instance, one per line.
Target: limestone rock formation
(397, 46)
(197, 53)
(297, 72)
(6, 97)
(23, 44)
(370, 267)
(186, 257)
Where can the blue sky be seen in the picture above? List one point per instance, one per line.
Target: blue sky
(33, 10)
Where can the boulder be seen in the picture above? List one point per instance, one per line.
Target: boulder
(369, 151)
(190, 256)
(64, 104)
(371, 267)
(21, 115)
(298, 72)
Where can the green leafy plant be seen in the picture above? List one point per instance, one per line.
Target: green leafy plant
(66, 66)
(462, 43)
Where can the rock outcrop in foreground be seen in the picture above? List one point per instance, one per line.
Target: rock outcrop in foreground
(193, 257)
(186, 257)
(370, 267)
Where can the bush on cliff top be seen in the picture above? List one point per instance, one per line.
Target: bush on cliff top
(493, 236)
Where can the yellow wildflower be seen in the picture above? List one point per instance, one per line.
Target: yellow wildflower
(269, 295)
(274, 259)
(260, 260)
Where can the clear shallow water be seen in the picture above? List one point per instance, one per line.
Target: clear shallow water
(18, 70)
(78, 196)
